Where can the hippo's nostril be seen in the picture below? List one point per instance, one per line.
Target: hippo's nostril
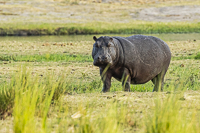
(105, 58)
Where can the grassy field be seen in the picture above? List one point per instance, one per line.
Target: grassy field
(53, 87)
(50, 84)
(69, 17)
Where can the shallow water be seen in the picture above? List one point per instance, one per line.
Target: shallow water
(165, 37)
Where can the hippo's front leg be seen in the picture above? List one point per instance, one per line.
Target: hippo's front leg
(126, 79)
(106, 78)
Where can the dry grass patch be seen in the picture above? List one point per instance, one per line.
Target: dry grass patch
(73, 11)
(31, 48)
(184, 48)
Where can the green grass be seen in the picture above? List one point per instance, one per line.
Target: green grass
(47, 57)
(67, 58)
(68, 98)
(45, 105)
(184, 57)
(197, 56)
(31, 96)
(185, 79)
(135, 27)
(169, 117)
(57, 103)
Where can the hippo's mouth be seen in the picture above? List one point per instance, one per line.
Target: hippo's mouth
(98, 63)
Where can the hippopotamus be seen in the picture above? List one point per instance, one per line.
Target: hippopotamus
(135, 59)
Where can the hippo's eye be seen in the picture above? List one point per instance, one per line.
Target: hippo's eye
(109, 44)
(97, 45)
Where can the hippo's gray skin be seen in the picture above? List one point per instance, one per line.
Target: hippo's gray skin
(136, 59)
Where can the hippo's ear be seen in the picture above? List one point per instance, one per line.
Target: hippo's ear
(111, 39)
(94, 38)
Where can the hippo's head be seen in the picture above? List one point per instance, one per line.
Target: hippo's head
(104, 51)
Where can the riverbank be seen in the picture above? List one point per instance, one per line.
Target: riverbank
(73, 17)
(134, 27)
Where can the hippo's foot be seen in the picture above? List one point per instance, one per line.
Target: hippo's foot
(126, 86)
(106, 85)
(126, 80)
(106, 78)
(105, 90)
(158, 81)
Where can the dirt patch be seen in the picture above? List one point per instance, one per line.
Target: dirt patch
(167, 14)
(85, 11)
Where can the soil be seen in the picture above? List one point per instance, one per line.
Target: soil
(167, 14)
(48, 11)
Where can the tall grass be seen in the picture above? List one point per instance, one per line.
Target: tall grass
(33, 96)
(44, 104)
(186, 78)
(24, 88)
(23, 83)
(169, 116)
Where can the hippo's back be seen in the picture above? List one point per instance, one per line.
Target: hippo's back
(150, 48)
(151, 55)
(145, 41)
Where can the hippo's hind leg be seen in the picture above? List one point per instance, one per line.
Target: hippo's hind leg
(126, 80)
(158, 81)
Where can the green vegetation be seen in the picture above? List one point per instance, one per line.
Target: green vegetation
(49, 84)
(170, 117)
(184, 57)
(47, 57)
(45, 105)
(197, 56)
(53, 88)
(95, 17)
(66, 58)
(135, 27)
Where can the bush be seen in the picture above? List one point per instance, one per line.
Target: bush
(197, 56)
